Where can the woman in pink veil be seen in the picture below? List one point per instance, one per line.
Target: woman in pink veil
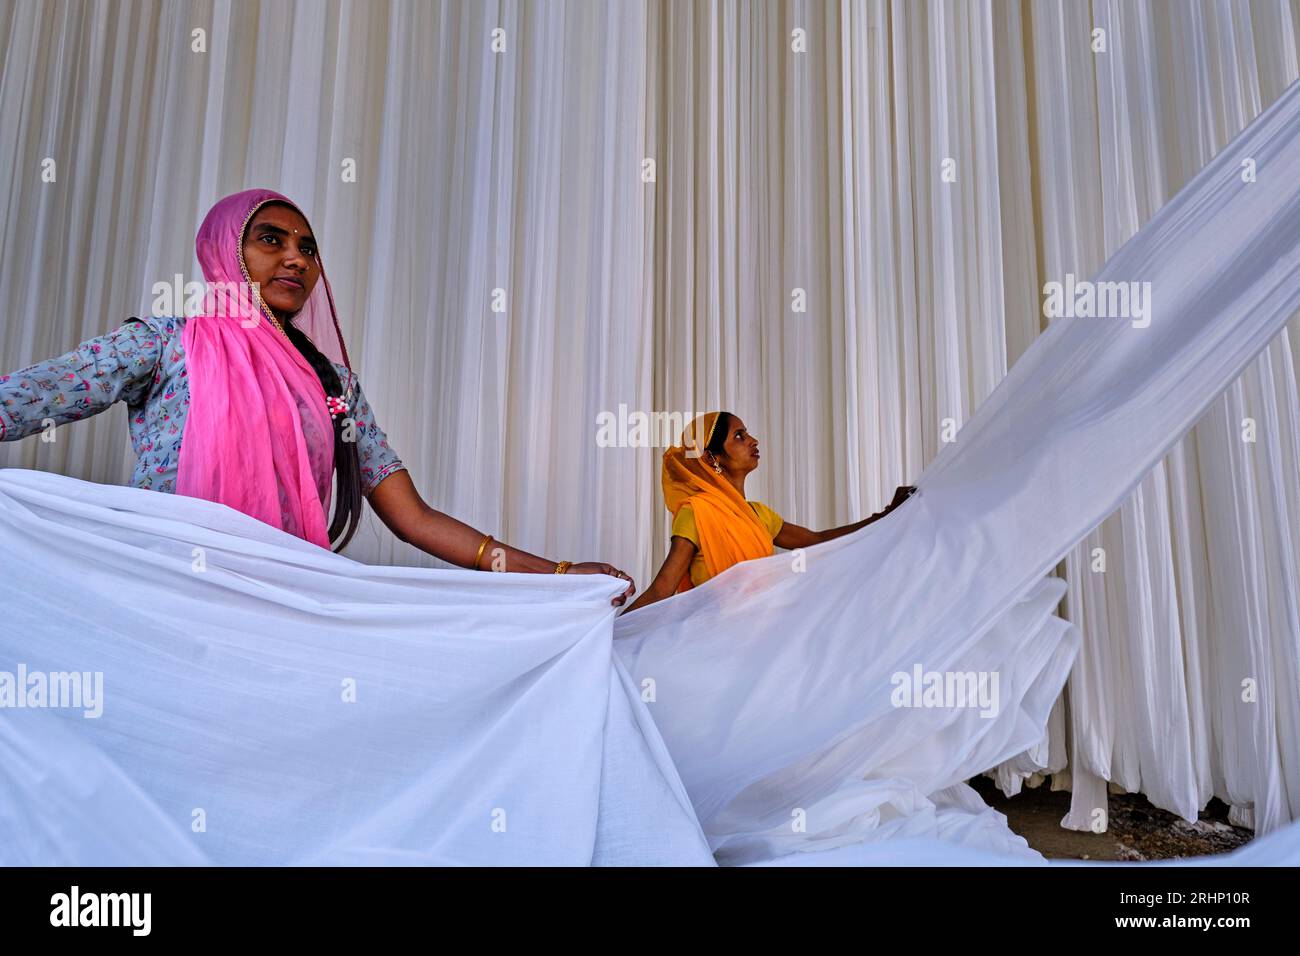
(259, 386)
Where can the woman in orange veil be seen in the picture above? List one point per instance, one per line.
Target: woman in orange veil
(714, 525)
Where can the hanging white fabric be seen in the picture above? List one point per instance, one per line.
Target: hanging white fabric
(773, 682)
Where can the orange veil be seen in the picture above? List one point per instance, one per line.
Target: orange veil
(729, 530)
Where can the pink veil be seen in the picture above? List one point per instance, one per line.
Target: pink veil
(258, 435)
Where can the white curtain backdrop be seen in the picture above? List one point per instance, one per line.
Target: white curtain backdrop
(798, 249)
(1200, 583)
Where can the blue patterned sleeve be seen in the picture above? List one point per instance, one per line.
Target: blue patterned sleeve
(378, 460)
(92, 377)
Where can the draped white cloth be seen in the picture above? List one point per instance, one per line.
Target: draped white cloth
(1062, 440)
(267, 702)
(1198, 586)
(522, 171)
(470, 700)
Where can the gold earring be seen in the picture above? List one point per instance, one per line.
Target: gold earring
(716, 467)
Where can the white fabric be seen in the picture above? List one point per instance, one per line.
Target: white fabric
(488, 723)
(1074, 426)
(478, 170)
(1200, 574)
(224, 735)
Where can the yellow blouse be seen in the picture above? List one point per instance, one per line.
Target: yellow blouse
(684, 527)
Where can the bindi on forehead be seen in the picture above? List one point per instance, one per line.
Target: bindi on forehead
(270, 228)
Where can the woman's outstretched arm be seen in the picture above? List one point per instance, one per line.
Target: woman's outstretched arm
(681, 552)
(78, 384)
(793, 536)
(406, 514)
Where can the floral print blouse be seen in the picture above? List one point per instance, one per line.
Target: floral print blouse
(142, 362)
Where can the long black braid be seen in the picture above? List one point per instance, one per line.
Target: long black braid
(347, 464)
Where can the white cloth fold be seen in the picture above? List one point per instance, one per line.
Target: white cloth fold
(265, 701)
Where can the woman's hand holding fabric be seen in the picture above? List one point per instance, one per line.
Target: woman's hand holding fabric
(902, 494)
(596, 567)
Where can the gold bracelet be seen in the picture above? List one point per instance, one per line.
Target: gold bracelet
(563, 566)
(479, 557)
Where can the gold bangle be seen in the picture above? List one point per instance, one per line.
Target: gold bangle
(479, 557)
(563, 566)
